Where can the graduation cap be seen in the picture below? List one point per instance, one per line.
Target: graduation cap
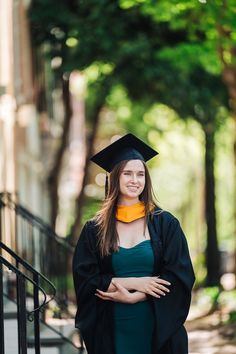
(129, 147)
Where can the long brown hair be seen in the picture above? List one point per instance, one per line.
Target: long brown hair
(105, 217)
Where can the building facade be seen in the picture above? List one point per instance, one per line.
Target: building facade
(23, 139)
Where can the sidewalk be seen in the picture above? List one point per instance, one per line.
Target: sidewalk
(208, 336)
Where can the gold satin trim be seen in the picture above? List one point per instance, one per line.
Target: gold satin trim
(128, 213)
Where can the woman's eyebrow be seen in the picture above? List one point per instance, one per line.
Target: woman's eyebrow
(134, 171)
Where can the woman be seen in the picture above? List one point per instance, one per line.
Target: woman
(132, 270)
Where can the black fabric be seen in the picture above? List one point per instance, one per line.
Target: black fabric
(129, 147)
(89, 274)
(94, 317)
(174, 265)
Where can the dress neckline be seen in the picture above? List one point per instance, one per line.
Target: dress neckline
(129, 248)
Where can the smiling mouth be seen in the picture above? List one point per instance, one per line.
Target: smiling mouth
(132, 188)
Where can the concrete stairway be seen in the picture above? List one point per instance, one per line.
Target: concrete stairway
(51, 342)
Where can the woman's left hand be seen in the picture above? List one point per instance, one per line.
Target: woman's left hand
(119, 295)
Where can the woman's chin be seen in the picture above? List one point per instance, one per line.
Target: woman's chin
(131, 194)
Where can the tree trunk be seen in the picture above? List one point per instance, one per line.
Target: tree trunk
(53, 179)
(229, 77)
(80, 200)
(212, 251)
(102, 91)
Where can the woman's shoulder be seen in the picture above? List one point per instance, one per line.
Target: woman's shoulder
(91, 225)
(164, 215)
(91, 222)
(88, 233)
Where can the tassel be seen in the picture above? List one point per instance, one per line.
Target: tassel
(106, 186)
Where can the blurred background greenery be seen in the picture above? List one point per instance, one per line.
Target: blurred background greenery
(164, 71)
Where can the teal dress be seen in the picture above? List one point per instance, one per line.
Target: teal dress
(134, 323)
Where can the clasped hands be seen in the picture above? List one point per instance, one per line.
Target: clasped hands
(119, 289)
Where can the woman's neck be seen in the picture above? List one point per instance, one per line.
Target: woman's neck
(128, 201)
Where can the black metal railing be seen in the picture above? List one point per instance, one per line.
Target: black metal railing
(27, 284)
(24, 285)
(62, 338)
(37, 243)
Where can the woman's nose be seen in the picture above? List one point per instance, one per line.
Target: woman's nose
(134, 178)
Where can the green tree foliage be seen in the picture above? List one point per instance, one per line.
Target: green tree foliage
(165, 51)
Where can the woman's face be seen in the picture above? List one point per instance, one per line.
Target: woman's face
(132, 179)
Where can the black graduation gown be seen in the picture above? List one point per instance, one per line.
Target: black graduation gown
(172, 262)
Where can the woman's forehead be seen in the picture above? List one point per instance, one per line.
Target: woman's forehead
(134, 165)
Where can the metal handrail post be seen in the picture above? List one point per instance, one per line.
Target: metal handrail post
(36, 316)
(2, 345)
(21, 314)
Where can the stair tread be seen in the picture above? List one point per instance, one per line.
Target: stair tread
(11, 341)
(10, 338)
(43, 351)
(9, 306)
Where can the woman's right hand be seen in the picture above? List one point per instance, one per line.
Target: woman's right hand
(154, 286)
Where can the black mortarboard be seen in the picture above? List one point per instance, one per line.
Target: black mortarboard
(129, 147)
(126, 148)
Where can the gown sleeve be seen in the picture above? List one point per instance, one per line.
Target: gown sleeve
(172, 310)
(87, 278)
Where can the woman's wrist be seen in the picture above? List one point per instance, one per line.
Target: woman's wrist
(138, 296)
(127, 283)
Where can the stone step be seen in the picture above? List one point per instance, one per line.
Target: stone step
(48, 345)
(45, 351)
(10, 307)
(10, 336)
(51, 342)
